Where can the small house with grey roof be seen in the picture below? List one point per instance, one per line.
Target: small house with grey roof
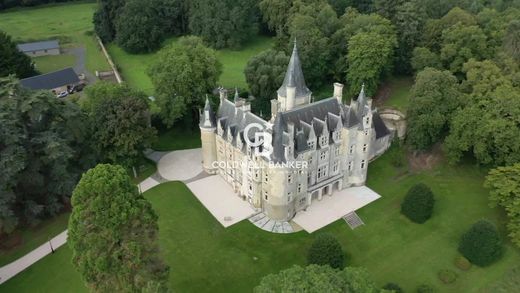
(305, 151)
(35, 49)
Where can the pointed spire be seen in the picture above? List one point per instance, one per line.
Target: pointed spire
(236, 95)
(294, 76)
(207, 105)
(207, 116)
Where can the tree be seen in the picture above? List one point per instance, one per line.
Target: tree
(409, 21)
(113, 233)
(460, 43)
(326, 250)
(12, 61)
(352, 23)
(264, 74)
(313, 37)
(276, 14)
(504, 185)
(487, 127)
(105, 18)
(314, 278)
(422, 57)
(512, 39)
(418, 203)
(120, 121)
(182, 75)
(434, 28)
(44, 147)
(138, 29)
(481, 244)
(223, 23)
(435, 96)
(174, 15)
(369, 58)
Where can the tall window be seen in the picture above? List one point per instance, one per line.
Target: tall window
(351, 149)
(299, 188)
(266, 196)
(323, 155)
(362, 164)
(290, 178)
(266, 177)
(365, 148)
(311, 144)
(350, 166)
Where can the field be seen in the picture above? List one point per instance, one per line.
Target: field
(133, 66)
(204, 257)
(71, 24)
(45, 64)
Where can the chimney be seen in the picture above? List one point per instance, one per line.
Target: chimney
(338, 92)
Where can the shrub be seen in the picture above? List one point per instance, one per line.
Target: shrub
(393, 287)
(447, 276)
(424, 288)
(481, 244)
(326, 250)
(418, 203)
(462, 263)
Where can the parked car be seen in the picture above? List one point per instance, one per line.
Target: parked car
(62, 94)
(77, 88)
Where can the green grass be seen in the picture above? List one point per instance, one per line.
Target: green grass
(177, 138)
(33, 237)
(68, 22)
(133, 66)
(205, 257)
(400, 92)
(45, 64)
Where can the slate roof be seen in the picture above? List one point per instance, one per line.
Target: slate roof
(39, 46)
(294, 76)
(51, 80)
(211, 118)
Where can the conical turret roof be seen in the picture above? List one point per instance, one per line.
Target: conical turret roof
(294, 76)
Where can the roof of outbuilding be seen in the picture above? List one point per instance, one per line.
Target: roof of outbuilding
(38, 46)
(51, 80)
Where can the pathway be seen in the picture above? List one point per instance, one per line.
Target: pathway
(79, 67)
(12, 269)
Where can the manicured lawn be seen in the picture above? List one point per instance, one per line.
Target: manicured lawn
(133, 66)
(400, 88)
(177, 138)
(71, 23)
(204, 257)
(34, 237)
(45, 64)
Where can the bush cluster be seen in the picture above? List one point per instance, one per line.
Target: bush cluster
(418, 203)
(481, 244)
(393, 287)
(326, 250)
(462, 263)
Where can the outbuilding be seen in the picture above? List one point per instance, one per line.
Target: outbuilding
(57, 81)
(51, 47)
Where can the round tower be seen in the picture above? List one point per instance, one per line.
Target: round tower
(207, 136)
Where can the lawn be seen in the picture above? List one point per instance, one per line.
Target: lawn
(45, 64)
(71, 23)
(399, 92)
(204, 257)
(177, 138)
(33, 237)
(133, 66)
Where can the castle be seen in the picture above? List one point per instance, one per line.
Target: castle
(305, 151)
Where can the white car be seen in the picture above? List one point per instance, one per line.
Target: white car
(62, 94)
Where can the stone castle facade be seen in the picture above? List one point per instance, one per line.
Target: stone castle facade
(308, 150)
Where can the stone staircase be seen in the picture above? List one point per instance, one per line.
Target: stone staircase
(265, 223)
(353, 220)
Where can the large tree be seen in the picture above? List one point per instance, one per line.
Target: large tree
(44, 147)
(223, 23)
(459, 44)
(409, 21)
(435, 96)
(120, 121)
(481, 244)
(12, 61)
(369, 59)
(504, 185)
(264, 74)
(113, 233)
(512, 39)
(182, 75)
(422, 57)
(105, 18)
(315, 278)
(487, 127)
(313, 30)
(139, 27)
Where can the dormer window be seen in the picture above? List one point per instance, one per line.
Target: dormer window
(310, 144)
